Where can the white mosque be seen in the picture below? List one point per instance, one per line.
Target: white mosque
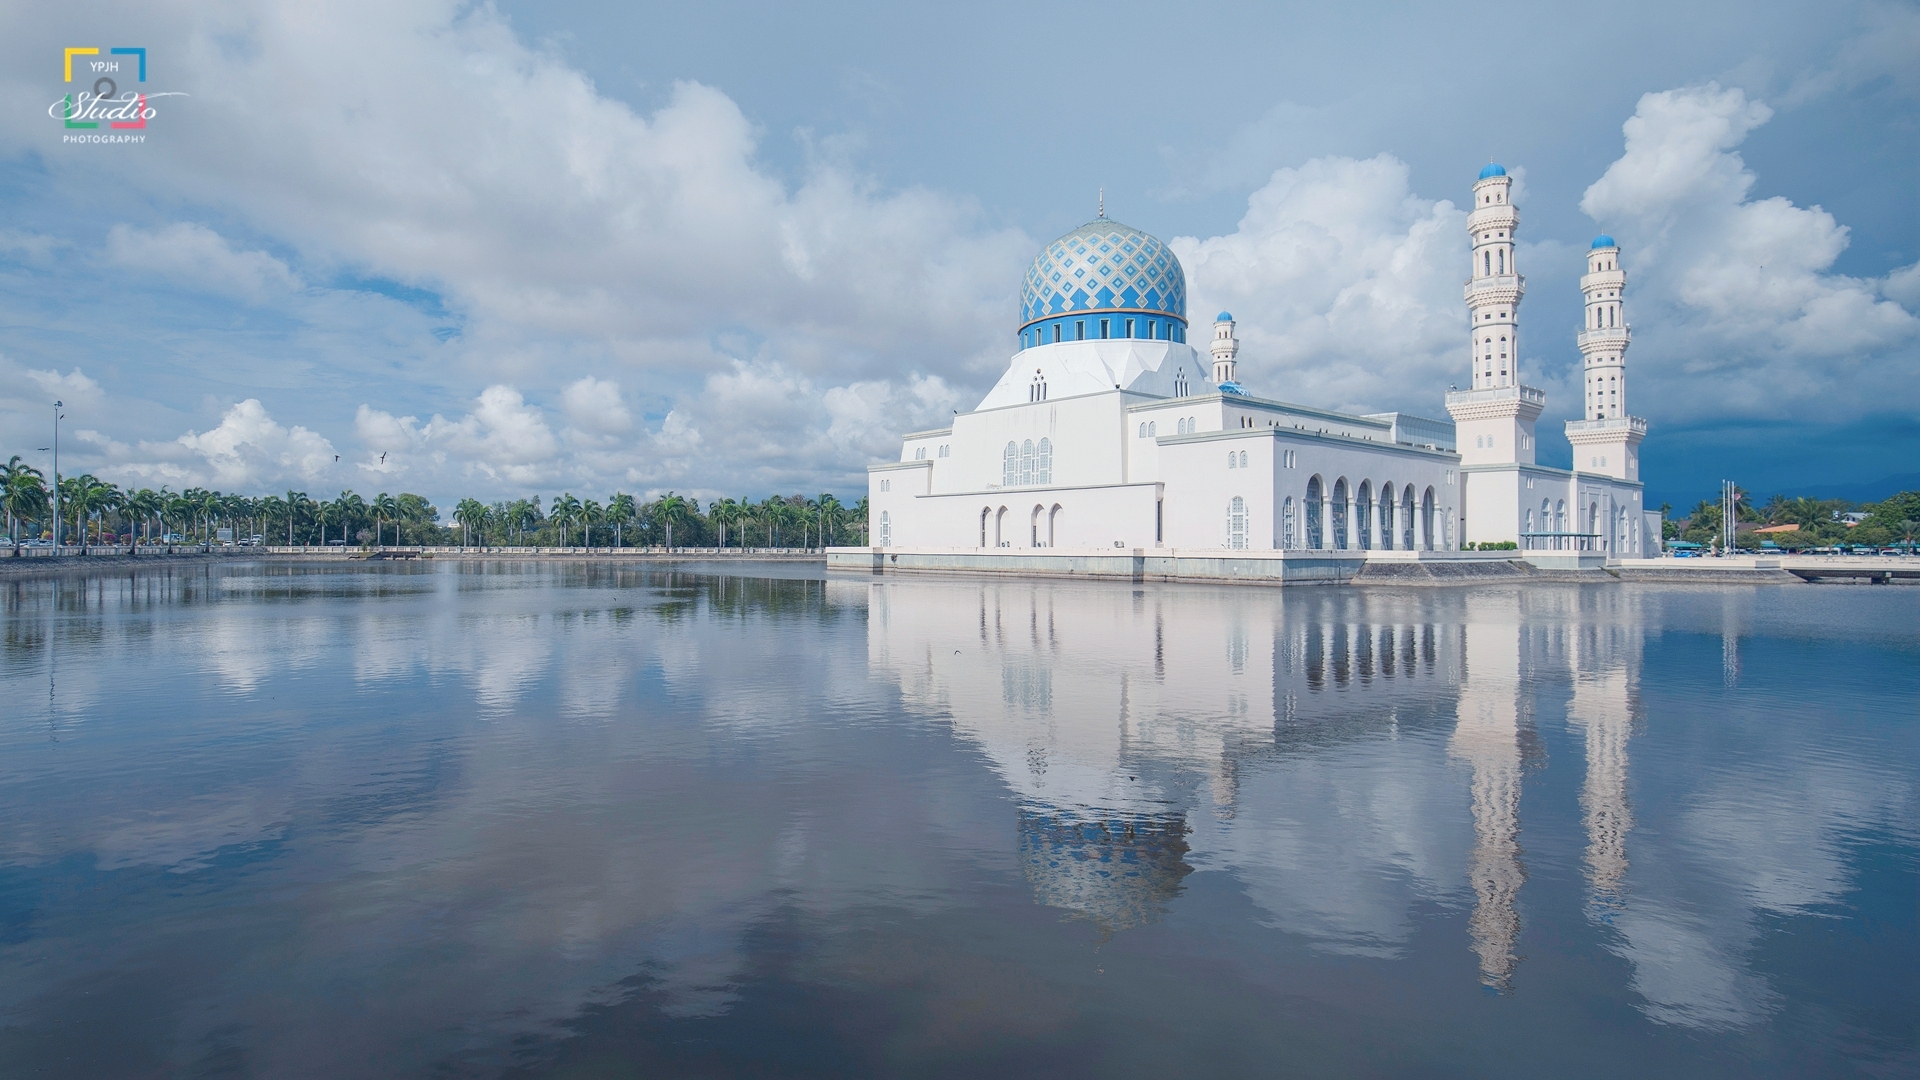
(1110, 430)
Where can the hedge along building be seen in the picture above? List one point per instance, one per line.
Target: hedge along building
(1110, 430)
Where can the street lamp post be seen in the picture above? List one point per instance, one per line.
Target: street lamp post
(57, 406)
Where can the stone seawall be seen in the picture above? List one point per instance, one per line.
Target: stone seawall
(1209, 565)
(43, 563)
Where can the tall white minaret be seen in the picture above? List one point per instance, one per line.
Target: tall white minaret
(1604, 339)
(1606, 439)
(1495, 289)
(1493, 421)
(1225, 348)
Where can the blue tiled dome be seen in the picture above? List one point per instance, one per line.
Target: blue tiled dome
(1225, 316)
(1604, 241)
(1104, 266)
(1493, 170)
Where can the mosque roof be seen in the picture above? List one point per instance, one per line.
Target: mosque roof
(1225, 316)
(1604, 241)
(1104, 266)
(1493, 170)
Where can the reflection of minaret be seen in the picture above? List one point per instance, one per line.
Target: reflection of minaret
(1605, 663)
(1488, 738)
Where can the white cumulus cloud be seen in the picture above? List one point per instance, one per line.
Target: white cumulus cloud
(249, 451)
(1346, 286)
(197, 257)
(1734, 300)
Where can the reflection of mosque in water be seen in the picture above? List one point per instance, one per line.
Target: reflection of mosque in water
(1150, 732)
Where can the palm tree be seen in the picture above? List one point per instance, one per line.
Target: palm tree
(860, 518)
(522, 515)
(471, 514)
(296, 502)
(722, 512)
(352, 508)
(830, 512)
(384, 507)
(671, 508)
(566, 510)
(591, 512)
(620, 512)
(25, 494)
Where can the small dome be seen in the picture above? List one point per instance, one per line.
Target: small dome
(1493, 170)
(1225, 316)
(1603, 241)
(1104, 266)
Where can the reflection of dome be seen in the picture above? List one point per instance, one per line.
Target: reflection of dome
(1493, 170)
(1116, 869)
(1603, 241)
(1104, 266)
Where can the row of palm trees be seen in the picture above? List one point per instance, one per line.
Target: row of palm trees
(673, 520)
(93, 511)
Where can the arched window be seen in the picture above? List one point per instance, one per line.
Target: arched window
(1243, 459)
(1010, 465)
(1486, 263)
(1143, 429)
(1043, 469)
(1363, 516)
(1426, 520)
(1033, 527)
(985, 512)
(1153, 428)
(1053, 523)
(1237, 524)
(1000, 528)
(1406, 517)
(1503, 263)
(1340, 514)
(1386, 517)
(886, 529)
(1286, 524)
(1233, 460)
(1314, 532)
(1026, 463)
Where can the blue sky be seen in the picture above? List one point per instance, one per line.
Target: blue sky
(737, 249)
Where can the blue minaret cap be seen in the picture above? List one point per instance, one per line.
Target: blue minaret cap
(1225, 316)
(1493, 170)
(1603, 241)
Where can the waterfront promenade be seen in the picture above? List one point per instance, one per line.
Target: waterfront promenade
(1157, 564)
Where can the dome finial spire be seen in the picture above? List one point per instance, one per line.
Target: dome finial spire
(1103, 203)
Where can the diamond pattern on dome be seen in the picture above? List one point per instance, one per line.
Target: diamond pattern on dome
(1103, 266)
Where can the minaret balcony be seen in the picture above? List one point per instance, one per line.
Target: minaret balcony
(1494, 216)
(1634, 424)
(1614, 336)
(1496, 288)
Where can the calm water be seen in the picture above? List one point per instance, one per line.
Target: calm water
(577, 821)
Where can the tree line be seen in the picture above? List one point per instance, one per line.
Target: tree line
(1817, 522)
(93, 511)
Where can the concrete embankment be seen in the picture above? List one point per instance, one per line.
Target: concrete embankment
(1317, 567)
(97, 561)
(1392, 568)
